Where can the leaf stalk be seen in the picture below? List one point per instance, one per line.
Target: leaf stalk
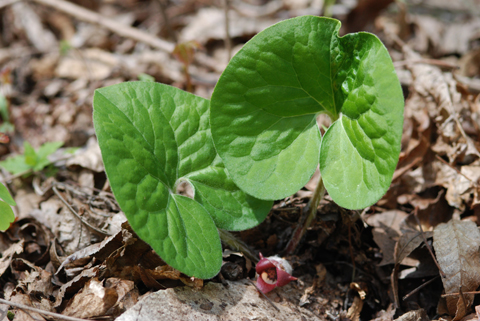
(235, 244)
(309, 214)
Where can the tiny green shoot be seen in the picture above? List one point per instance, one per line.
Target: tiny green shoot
(31, 160)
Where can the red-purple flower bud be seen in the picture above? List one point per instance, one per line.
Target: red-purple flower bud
(273, 271)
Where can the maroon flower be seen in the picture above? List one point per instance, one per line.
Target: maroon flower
(273, 271)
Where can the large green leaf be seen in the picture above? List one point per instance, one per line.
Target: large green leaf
(153, 137)
(264, 108)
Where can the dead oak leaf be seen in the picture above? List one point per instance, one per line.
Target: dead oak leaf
(457, 245)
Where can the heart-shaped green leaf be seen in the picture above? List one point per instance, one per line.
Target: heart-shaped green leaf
(264, 108)
(153, 137)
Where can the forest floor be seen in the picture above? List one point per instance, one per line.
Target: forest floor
(70, 252)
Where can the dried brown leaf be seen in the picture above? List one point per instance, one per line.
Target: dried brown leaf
(7, 255)
(27, 19)
(457, 245)
(416, 315)
(386, 232)
(407, 243)
(75, 284)
(208, 24)
(90, 157)
(355, 309)
(22, 315)
(36, 282)
(127, 295)
(93, 300)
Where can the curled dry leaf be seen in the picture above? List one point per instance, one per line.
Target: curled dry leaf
(8, 254)
(457, 245)
(93, 300)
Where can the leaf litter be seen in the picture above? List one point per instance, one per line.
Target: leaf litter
(57, 256)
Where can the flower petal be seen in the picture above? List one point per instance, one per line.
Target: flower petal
(263, 264)
(283, 277)
(263, 286)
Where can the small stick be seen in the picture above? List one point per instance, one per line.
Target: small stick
(228, 41)
(43, 312)
(114, 26)
(166, 20)
(462, 297)
(264, 295)
(90, 227)
(455, 169)
(420, 287)
(434, 62)
(457, 294)
(426, 243)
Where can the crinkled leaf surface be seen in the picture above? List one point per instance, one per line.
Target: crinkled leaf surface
(264, 107)
(153, 137)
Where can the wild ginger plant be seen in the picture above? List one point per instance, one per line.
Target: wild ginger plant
(257, 140)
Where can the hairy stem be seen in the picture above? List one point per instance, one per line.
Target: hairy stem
(235, 244)
(309, 214)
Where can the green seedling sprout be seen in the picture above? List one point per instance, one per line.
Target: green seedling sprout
(31, 160)
(185, 53)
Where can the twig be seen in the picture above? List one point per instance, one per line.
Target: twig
(456, 170)
(434, 62)
(266, 297)
(166, 20)
(228, 41)
(114, 26)
(462, 297)
(458, 294)
(90, 227)
(415, 214)
(43, 312)
(420, 287)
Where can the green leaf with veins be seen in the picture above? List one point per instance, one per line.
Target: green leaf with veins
(153, 137)
(264, 108)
